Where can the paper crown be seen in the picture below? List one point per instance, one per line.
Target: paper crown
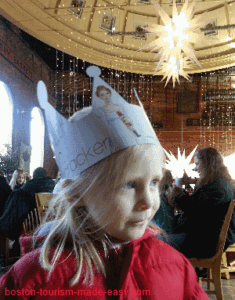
(112, 124)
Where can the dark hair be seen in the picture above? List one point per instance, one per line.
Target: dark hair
(39, 173)
(212, 166)
(100, 88)
(2, 173)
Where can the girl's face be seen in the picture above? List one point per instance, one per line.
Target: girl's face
(129, 207)
(20, 178)
(105, 95)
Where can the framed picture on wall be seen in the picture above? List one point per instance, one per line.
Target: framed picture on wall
(209, 27)
(177, 1)
(144, 1)
(140, 33)
(187, 102)
(107, 22)
(76, 7)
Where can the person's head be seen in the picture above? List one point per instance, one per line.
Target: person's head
(167, 181)
(114, 200)
(21, 177)
(210, 166)
(2, 173)
(130, 195)
(103, 93)
(39, 173)
(18, 177)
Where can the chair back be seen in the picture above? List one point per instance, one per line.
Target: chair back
(42, 201)
(31, 222)
(224, 229)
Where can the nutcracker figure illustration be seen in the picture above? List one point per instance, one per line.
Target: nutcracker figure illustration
(104, 94)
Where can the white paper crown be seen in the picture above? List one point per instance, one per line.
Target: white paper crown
(112, 124)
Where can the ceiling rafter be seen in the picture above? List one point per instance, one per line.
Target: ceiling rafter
(56, 6)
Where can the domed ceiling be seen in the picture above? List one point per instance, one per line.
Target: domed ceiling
(111, 33)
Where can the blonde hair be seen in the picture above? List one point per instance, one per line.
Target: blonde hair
(14, 177)
(73, 222)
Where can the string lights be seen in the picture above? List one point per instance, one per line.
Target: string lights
(216, 112)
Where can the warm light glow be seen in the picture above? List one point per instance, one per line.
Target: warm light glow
(175, 31)
(6, 115)
(228, 38)
(229, 162)
(232, 45)
(36, 139)
(178, 166)
(175, 39)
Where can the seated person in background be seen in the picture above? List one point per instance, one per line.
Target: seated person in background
(5, 191)
(18, 179)
(28, 176)
(40, 183)
(19, 204)
(2, 173)
(164, 217)
(22, 202)
(204, 211)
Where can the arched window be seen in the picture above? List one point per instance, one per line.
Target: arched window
(37, 129)
(6, 118)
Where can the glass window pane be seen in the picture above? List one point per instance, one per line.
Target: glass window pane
(37, 129)
(6, 115)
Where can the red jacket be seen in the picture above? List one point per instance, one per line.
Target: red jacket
(155, 271)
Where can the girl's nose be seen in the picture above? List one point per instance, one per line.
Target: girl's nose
(145, 200)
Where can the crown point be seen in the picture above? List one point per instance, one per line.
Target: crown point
(93, 71)
(42, 94)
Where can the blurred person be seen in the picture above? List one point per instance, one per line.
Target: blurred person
(18, 179)
(204, 211)
(2, 173)
(41, 183)
(19, 204)
(5, 191)
(164, 217)
(28, 176)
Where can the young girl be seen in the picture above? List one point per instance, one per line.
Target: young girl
(18, 179)
(101, 245)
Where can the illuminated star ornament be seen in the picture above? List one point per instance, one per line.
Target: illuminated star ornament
(175, 39)
(178, 166)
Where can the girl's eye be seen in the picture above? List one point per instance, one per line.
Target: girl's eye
(154, 183)
(129, 185)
